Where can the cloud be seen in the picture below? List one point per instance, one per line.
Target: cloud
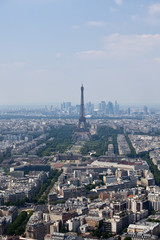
(131, 45)
(40, 71)
(96, 24)
(12, 65)
(32, 1)
(154, 9)
(91, 54)
(113, 10)
(122, 47)
(157, 59)
(119, 2)
(58, 55)
(18, 64)
(134, 18)
(75, 26)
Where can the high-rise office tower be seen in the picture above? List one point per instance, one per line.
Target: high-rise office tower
(145, 109)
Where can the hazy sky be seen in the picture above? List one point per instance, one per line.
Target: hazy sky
(49, 47)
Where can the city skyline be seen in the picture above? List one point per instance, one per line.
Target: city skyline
(48, 48)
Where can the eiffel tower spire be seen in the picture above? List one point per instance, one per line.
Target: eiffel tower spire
(82, 132)
(82, 102)
(82, 119)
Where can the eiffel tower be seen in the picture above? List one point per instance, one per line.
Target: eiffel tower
(82, 132)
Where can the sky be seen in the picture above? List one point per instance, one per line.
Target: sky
(48, 48)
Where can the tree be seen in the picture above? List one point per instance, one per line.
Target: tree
(127, 238)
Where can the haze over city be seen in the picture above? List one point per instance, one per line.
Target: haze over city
(79, 119)
(49, 47)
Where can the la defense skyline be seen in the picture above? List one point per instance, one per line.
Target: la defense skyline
(104, 107)
(87, 109)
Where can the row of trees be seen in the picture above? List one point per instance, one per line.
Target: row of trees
(19, 225)
(89, 187)
(145, 156)
(133, 152)
(153, 168)
(7, 155)
(42, 195)
(61, 140)
(18, 203)
(99, 142)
